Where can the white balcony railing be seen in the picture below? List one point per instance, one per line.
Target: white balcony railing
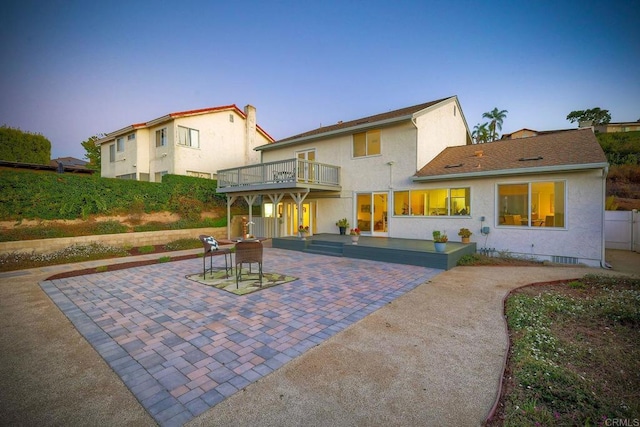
(285, 173)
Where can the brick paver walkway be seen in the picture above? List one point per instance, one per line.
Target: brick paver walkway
(182, 347)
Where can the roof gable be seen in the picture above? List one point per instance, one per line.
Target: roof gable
(577, 149)
(348, 126)
(172, 116)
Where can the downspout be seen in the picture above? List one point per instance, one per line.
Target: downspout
(603, 261)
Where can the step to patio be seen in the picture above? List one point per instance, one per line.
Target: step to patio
(325, 248)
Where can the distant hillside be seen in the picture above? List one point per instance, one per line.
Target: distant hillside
(621, 148)
(623, 153)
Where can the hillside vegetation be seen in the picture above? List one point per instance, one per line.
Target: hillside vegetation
(623, 154)
(24, 147)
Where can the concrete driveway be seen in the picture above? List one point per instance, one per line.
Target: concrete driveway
(433, 355)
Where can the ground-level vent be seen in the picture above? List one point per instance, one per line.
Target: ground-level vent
(564, 259)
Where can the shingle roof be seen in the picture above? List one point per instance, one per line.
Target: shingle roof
(364, 120)
(554, 151)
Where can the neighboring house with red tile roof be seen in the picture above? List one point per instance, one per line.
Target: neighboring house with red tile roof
(410, 171)
(193, 143)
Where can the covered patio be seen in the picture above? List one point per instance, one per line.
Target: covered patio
(386, 249)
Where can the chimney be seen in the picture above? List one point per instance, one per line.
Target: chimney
(250, 156)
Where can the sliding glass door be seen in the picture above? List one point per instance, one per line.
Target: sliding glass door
(371, 213)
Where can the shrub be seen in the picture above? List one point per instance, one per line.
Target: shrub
(109, 227)
(469, 259)
(47, 195)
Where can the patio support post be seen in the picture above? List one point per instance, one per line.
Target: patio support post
(250, 199)
(230, 200)
(299, 198)
(275, 199)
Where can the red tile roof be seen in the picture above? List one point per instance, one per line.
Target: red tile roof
(178, 114)
(550, 152)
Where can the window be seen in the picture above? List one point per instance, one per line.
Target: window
(158, 176)
(533, 204)
(112, 153)
(366, 143)
(161, 137)
(231, 118)
(120, 144)
(188, 137)
(199, 174)
(436, 202)
(130, 176)
(131, 136)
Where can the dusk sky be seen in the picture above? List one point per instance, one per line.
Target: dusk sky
(72, 69)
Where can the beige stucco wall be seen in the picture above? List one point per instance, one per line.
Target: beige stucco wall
(158, 161)
(222, 145)
(439, 126)
(581, 238)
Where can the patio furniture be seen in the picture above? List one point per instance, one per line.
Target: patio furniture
(248, 252)
(210, 246)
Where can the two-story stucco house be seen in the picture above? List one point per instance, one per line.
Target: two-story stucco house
(408, 172)
(193, 143)
(349, 169)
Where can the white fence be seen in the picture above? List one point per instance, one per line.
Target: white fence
(622, 230)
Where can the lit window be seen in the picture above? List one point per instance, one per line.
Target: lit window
(366, 143)
(436, 202)
(534, 204)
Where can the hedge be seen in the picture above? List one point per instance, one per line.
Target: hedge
(46, 195)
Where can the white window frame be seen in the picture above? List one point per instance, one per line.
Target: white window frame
(366, 146)
(162, 134)
(188, 137)
(531, 224)
(112, 153)
(120, 144)
(448, 199)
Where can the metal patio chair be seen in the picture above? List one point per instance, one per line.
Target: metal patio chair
(210, 247)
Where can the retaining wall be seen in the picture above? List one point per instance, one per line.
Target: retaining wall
(122, 239)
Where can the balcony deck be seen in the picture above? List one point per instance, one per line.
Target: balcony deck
(394, 250)
(285, 174)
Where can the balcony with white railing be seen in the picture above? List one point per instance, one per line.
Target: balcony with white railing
(284, 174)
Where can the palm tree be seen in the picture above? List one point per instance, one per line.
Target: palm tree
(496, 116)
(480, 133)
